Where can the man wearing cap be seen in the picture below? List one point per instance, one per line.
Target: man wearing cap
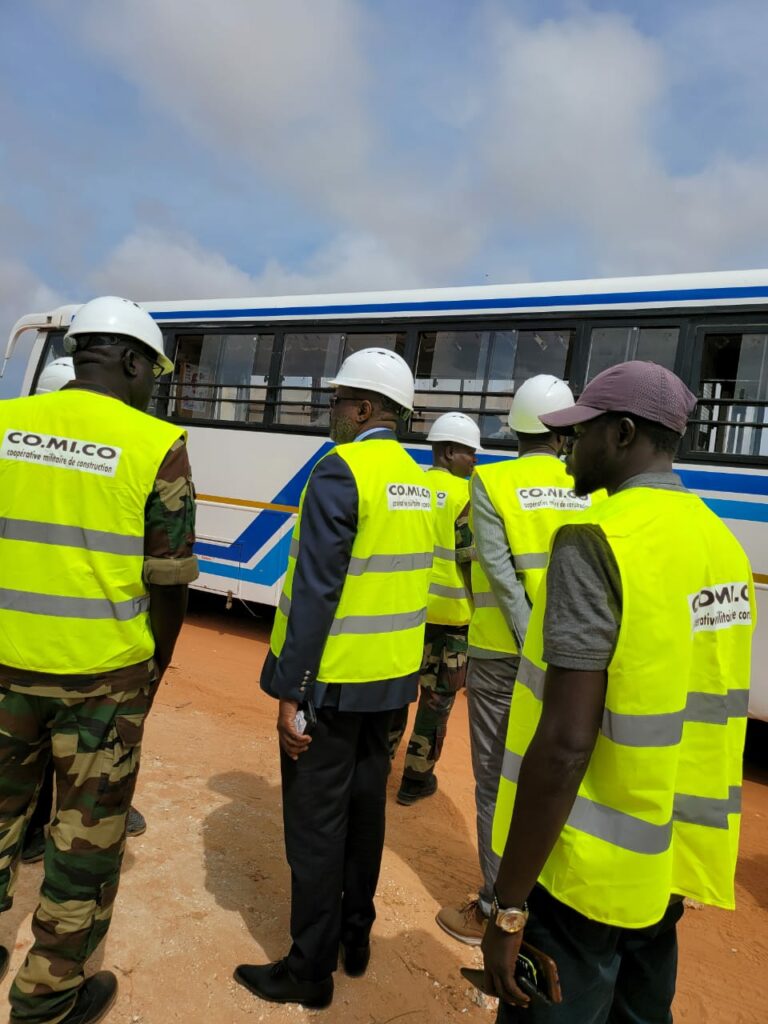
(516, 507)
(621, 785)
(97, 508)
(455, 439)
(345, 653)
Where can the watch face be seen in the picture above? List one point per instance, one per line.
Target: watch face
(511, 920)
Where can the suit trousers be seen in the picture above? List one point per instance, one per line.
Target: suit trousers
(334, 800)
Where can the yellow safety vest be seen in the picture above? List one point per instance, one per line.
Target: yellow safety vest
(449, 603)
(658, 810)
(534, 496)
(378, 629)
(76, 470)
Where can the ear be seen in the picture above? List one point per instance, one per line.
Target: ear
(626, 432)
(130, 362)
(364, 410)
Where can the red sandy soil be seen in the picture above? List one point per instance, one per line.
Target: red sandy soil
(206, 887)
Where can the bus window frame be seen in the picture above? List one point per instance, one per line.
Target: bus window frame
(687, 363)
(699, 328)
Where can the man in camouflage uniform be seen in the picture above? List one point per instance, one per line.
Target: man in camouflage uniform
(455, 439)
(55, 376)
(90, 724)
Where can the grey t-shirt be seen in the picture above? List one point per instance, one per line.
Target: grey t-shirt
(584, 599)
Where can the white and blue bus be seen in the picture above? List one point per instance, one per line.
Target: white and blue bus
(251, 387)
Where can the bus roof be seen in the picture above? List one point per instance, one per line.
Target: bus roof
(663, 291)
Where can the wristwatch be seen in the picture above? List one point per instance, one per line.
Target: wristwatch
(509, 919)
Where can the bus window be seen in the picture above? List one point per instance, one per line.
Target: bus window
(611, 345)
(733, 393)
(657, 345)
(478, 372)
(221, 376)
(310, 361)
(395, 342)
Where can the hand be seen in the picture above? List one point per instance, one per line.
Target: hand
(500, 951)
(292, 742)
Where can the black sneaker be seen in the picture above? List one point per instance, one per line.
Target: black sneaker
(136, 824)
(94, 999)
(33, 849)
(278, 984)
(5, 959)
(410, 790)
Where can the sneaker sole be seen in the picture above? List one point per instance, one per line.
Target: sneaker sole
(466, 939)
(406, 799)
(136, 832)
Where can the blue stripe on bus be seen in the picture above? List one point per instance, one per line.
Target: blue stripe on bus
(749, 511)
(734, 483)
(267, 522)
(448, 305)
(265, 573)
(268, 571)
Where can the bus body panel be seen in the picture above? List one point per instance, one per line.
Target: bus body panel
(249, 481)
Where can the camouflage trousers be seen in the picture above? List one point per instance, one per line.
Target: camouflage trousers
(443, 670)
(95, 743)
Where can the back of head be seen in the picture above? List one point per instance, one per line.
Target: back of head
(456, 427)
(55, 375)
(112, 317)
(380, 372)
(534, 398)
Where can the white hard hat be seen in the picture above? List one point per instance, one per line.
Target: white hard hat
(379, 370)
(457, 427)
(55, 375)
(112, 315)
(536, 396)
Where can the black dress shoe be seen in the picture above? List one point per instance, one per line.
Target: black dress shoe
(355, 959)
(5, 959)
(94, 998)
(277, 983)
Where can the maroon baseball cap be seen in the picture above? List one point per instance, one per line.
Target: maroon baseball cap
(638, 388)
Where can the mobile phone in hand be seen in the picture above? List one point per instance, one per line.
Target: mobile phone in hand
(535, 973)
(305, 719)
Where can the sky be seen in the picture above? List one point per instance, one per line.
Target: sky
(186, 149)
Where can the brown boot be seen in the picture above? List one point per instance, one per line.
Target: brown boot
(465, 922)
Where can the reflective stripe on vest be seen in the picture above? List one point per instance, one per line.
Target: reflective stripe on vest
(449, 601)
(378, 629)
(76, 470)
(658, 808)
(532, 496)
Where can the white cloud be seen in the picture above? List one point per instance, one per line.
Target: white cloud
(154, 264)
(568, 141)
(538, 130)
(278, 83)
(283, 88)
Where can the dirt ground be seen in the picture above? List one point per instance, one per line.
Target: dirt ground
(206, 887)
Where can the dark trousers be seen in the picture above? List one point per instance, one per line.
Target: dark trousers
(334, 799)
(608, 975)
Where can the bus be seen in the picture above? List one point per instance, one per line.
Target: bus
(251, 387)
